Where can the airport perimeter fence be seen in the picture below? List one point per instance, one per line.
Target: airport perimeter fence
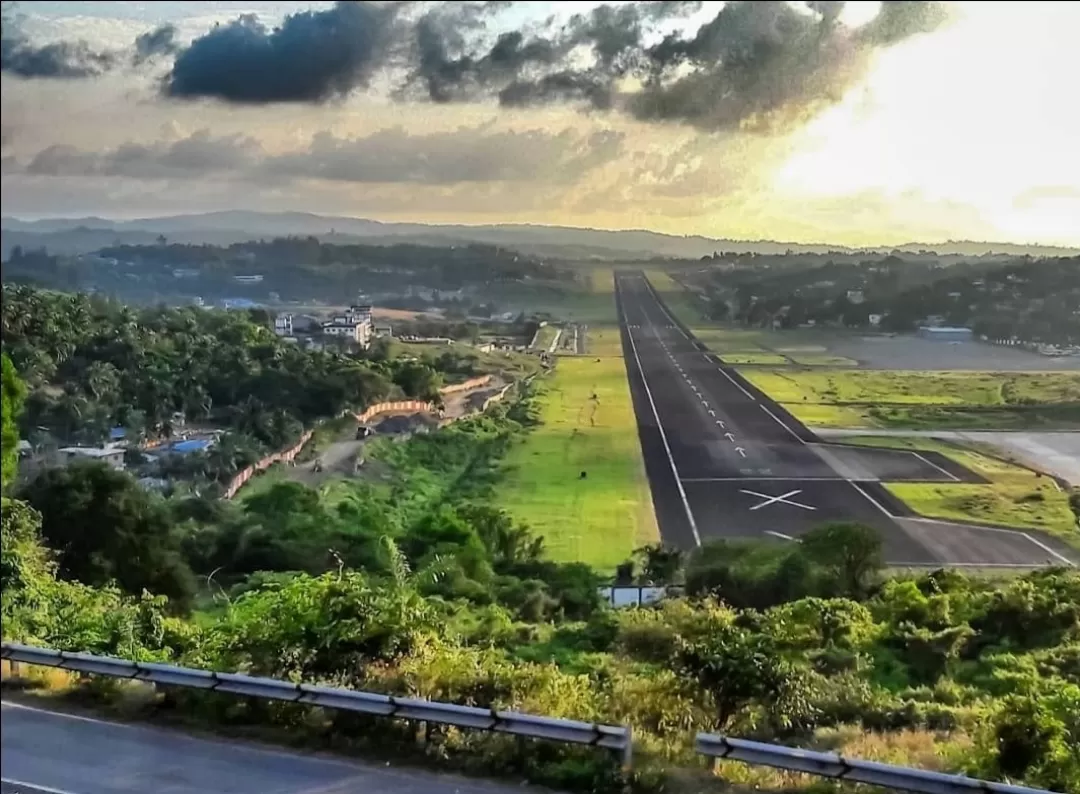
(618, 738)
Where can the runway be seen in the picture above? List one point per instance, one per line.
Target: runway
(726, 461)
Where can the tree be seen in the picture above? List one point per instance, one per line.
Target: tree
(660, 564)
(739, 668)
(848, 552)
(105, 527)
(12, 394)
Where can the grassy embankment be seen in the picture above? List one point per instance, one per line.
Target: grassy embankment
(925, 400)
(544, 337)
(1015, 496)
(601, 519)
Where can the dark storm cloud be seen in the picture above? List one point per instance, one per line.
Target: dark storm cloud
(72, 60)
(755, 64)
(312, 56)
(155, 43)
(61, 59)
(389, 156)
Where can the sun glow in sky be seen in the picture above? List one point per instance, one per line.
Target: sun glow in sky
(969, 132)
(982, 114)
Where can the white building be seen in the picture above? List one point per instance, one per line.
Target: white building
(283, 325)
(354, 324)
(112, 455)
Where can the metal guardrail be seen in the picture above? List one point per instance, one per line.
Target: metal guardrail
(611, 737)
(834, 766)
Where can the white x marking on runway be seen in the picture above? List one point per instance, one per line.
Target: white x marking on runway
(769, 500)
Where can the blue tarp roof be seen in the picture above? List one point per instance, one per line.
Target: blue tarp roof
(117, 433)
(191, 445)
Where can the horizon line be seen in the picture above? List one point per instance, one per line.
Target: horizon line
(1075, 248)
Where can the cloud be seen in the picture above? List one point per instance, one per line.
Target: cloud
(60, 59)
(391, 156)
(464, 155)
(152, 44)
(314, 56)
(758, 65)
(189, 158)
(73, 60)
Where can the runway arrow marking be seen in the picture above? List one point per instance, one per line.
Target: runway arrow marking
(730, 436)
(712, 412)
(741, 451)
(720, 423)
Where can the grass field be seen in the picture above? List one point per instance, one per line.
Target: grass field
(601, 519)
(604, 341)
(1015, 496)
(936, 400)
(764, 359)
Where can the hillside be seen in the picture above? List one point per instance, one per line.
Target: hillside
(79, 235)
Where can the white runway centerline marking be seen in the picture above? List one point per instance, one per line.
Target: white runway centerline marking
(770, 500)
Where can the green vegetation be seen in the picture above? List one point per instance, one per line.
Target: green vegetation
(92, 365)
(303, 269)
(12, 395)
(764, 359)
(937, 400)
(1015, 497)
(1000, 297)
(604, 341)
(586, 424)
(413, 581)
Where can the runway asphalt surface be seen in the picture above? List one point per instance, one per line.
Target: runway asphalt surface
(46, 752)
(726, 461)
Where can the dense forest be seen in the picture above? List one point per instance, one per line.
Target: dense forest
(91, 365)
(295, 268)
(1031, 300)
(411, 582)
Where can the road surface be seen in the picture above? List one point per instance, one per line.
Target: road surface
(1055, 451)
(726, 461)
(47, 752)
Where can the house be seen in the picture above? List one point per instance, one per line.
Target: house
(875, 319)
(186, 272)
(856, 296)
(283, 325)
(382, 329)
(112, 455)
(354, 324)
(255, 278)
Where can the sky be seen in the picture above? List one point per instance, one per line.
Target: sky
(803, 122)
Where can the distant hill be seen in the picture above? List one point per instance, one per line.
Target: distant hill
(81, 235)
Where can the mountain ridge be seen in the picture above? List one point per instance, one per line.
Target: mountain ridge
(228, 226)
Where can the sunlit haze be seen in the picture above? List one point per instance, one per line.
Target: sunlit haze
(968, 131)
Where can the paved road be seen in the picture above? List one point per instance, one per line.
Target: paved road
(1054, 451)
(724, 460)
(50, 753)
